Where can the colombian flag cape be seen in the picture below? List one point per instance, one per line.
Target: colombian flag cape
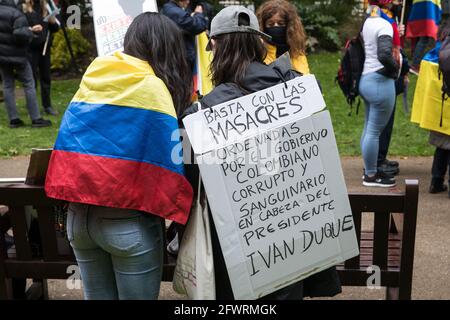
(116, 141)
(427, 105)
(424, 19)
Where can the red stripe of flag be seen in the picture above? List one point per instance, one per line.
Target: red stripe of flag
(119, 183)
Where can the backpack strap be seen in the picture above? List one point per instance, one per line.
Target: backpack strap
(444, 98)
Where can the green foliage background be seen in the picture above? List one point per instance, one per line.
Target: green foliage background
(61, 59)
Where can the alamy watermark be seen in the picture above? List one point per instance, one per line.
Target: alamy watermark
(73, 281)
(74, 19)
(374, 280)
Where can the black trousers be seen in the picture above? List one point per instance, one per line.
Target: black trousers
(385, 139)
(41, 71)
(441, 162)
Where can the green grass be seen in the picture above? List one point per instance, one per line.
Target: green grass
(408, 138)
(14, 142)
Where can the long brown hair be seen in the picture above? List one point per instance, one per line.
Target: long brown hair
(44, 10)
(233, 53)
(296, 35)
(153, 37)
(27, 6)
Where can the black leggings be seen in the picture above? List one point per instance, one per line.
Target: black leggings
(441, 162)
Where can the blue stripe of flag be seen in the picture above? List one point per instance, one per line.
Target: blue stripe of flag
(121, 132)
(425, 10)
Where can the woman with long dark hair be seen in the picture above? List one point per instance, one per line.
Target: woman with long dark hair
(280, 20)
(155, 45)
(238, 69)
(113, 161)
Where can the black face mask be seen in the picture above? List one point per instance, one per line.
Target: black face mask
(278, 34)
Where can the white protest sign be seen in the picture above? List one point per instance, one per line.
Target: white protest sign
(112, 19)
(279, 200)
(244, 117)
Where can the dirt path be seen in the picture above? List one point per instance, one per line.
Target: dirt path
(432, 257)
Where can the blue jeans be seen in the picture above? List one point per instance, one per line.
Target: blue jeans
(119, 252)
(385, 138)
(378, 93)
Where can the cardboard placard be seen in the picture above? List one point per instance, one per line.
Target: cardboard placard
(244, 117)
(278, 196)
(112, 19)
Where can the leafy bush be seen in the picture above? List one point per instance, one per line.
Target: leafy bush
(327, 22)
(61, 59)
(321, 29)
(323, 21)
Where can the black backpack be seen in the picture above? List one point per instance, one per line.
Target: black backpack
(351, 69)
(444, 69)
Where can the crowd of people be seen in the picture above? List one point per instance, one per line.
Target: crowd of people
(115, 231)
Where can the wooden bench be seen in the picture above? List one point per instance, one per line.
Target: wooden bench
(56, 256)
(22, 265)
(390, 246)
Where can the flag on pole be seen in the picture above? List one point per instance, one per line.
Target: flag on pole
(424, 19)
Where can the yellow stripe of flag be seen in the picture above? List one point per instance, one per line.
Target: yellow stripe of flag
(426, 110)
(436, 2)
(123, 80)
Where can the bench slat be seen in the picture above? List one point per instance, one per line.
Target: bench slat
(20, 230)
(47, 233)
(368, 235)
(3, 255)
(354, 262)
(369, 244)
(396, 252)
(408, 239)
(381, 239)
(357, 277)
(377, 202)
(38, 269)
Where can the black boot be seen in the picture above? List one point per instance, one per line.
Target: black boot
(437, 186)
(51, 111)
(41, 123)
(16, 123)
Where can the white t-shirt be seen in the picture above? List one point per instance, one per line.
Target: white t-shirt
(374, 27)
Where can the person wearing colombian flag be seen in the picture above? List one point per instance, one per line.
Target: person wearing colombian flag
(279, 19)
(113, 161)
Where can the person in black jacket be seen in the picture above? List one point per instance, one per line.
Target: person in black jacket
(15, 37)
(191, 24)
(40, 49)
(238, 69)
